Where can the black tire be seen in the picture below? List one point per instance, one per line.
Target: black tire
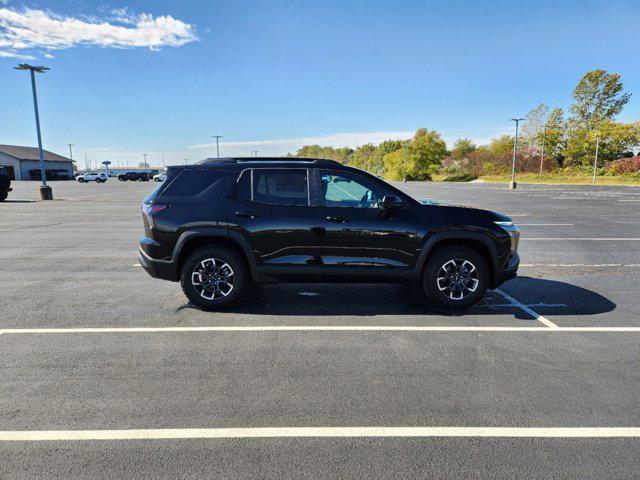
(81, 180)
(193, 263)
(436, 268)
(3, 195)
(98, 180)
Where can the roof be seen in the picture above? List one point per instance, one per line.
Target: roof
(31, 153)
(268, 160)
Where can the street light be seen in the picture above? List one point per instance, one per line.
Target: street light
(255, 153)
(145, 158)
(45, 191)
(512, 184)
(217, 137)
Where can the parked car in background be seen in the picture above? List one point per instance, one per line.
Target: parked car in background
(5, 184)
(113, 174)
(161, 177)
(134, 177)
(92, 177)
(220, 225)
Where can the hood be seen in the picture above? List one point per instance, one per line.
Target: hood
(492, 216)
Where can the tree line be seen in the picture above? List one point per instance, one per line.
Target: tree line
(550, 140)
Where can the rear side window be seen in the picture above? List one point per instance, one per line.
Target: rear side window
(281, 186)
(189, 183)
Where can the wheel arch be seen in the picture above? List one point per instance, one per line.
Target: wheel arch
(474, 240)
(194, 239)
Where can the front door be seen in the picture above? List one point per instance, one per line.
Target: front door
(272, 209)
(362, 240)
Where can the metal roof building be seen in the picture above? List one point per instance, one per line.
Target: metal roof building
(22, 163)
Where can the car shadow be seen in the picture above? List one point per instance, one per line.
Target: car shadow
(547, 297)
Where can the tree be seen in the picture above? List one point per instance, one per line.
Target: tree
(462, 147)
(429, 149)
(534, 124)
(598, 96)
(615, 139)
(554, 139)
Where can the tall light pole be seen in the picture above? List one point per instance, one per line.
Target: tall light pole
(45, 191)
(217, 137)
(544, 138)
(163, 164)
(145, 158)
(512, 184)
(255, 153)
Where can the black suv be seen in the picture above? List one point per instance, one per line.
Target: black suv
(134, 176)
(5, 184)
(220, 224)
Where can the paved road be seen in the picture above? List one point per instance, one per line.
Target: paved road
(71, 264)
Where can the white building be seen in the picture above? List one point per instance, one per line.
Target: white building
(22, 163)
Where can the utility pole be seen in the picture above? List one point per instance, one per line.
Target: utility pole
(163, 164)
(595, 160)
(45, 191)
(145, 158)
(544, 138)
(512, 184)
(217, 137)
(404, 165)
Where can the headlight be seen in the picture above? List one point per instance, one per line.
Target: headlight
(513, 231)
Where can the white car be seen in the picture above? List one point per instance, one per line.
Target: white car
(160, 177)
(92, 177)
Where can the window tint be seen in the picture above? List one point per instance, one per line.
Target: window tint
(243, 188)
(347, 190)
(189, 183)
(280, 187)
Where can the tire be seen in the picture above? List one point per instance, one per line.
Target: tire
(443, 282)
(81, 180)
(98, 180)
(193, 265)
(3, 195)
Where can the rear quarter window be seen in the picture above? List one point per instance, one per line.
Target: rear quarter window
(197, 185)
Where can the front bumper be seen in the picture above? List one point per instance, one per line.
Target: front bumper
(508, 272)
(163, 269)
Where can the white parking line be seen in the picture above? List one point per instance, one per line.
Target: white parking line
(317, 432)
(317, 328)
(589, 239)
(526, 309)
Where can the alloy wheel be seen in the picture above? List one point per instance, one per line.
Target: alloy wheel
(213, 278)
(457, 279)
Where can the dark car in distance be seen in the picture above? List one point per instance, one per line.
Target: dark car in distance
(5, 184)
(134, 176)
(221, 224)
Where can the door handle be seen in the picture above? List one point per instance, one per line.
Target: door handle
(245, 214)
(337, 219)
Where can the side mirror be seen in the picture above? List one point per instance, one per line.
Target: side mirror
(391, 203)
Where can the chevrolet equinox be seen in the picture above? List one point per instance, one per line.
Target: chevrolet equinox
(222, 224)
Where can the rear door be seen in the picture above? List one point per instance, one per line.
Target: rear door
(361, 239)
(273, 210)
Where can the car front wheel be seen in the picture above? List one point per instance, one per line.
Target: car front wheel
(455, 277)
(214, 277)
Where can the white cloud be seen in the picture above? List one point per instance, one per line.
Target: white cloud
(29, 29)
(14, 54)
(290, 145)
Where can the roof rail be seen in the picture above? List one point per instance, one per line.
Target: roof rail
(243, 160)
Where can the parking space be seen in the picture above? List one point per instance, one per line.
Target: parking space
(89, 342)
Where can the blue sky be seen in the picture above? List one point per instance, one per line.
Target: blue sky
(158, 76)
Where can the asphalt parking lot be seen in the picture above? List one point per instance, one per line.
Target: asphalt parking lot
(108, 373)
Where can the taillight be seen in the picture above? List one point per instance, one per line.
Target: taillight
(149, 211)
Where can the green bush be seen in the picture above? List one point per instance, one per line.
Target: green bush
(460, 177)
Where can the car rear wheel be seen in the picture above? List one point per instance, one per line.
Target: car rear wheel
(3, 195)
(81, 180)
(455, 277)
(214, 277)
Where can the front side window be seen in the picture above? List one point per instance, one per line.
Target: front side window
(280, 186)
(341, 189)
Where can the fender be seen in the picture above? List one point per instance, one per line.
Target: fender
(219, 232)
(435, 238)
